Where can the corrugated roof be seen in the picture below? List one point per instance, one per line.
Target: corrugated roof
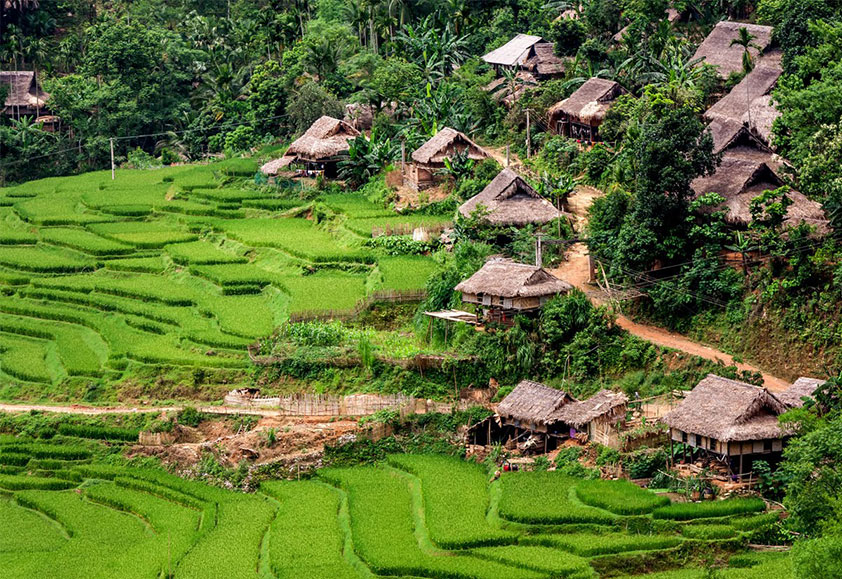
(514, 52)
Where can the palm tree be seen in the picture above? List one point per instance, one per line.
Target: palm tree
(744, 38)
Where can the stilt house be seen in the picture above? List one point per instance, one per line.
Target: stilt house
(502, 289)
(601, 416)
(718, 51)
(732, 421)
(24, 97)
(319, 149)
(580, 115)
(510, 201)
(428, 159)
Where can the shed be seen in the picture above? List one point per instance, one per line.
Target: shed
(742, 177)
(580, 115)
(23, 95)
(429, 158)
(514, 53)
(510, 200)
(543, 62)
(728, 419)
(600, 416)
(320, 148)
(717, 50)
(503, 288)
(802, 388)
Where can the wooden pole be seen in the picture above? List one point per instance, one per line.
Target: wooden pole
(111, 141)
(528, 139)
(403, 158)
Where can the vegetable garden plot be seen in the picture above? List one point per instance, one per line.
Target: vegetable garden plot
(455, 501)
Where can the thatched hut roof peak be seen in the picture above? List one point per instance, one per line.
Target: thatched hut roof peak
(509, 279)
(444, 144)
(604, 402)
(728, 410)
(326, 139)
(802, 388)
(22, 89)
(510, 200)
(514, 52)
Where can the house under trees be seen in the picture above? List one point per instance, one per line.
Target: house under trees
(502, 289)
(718, 51)
(580, 115)
(24, 97)
(429, 158)
(319, 150)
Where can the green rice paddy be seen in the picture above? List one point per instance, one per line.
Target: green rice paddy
(182, 266)
(420, 516)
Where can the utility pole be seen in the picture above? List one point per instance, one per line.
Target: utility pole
(111, 141)
(528, 140)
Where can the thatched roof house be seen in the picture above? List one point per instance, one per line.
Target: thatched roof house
(510, 200)
(734, 135)
(729, 419)
(23, 95)
(543, 62)
(504, 288)
(748, 104)
(717, 50)
(321, 147)
(514, 52)
(740, 178)
(580, 115)
(429, 158)
(802, 388)
(533, 405)
(600, 416)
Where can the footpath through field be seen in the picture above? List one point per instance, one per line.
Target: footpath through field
(575, 270)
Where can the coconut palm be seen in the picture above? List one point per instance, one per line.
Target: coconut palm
(744, 38)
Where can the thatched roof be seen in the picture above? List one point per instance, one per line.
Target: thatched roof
(802, 388)
(590, 102)
(602, 403)
(510, 200)
(728, 410)
(447, 142)
(326, 139)
(716, 49)
(22, 90)
(508, 279)
(543, 61)
(732, 134)
(742, 178)
(533, 402)
(514, 52)
(760, 117)
(758, 83)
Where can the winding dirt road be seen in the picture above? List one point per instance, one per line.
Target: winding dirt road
(576, 271)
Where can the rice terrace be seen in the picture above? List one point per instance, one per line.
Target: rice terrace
(420, 289)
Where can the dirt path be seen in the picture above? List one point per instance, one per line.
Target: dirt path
(94, 410)
(575, 270)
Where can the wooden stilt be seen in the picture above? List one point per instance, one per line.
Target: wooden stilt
(741, 466)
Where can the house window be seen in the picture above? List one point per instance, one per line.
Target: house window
(713, 444)
(684, 437)
(767, 446)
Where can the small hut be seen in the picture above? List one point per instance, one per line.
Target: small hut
(428, 159)
(528, 417)
(23, 95)
(514, 53)
(742, 177)
(718, 51)
(543, 63)
(732, 421)
(319, 149)
(802, 388)
(601, 416)
(510, 201)
(503, 289)
(580, 115)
